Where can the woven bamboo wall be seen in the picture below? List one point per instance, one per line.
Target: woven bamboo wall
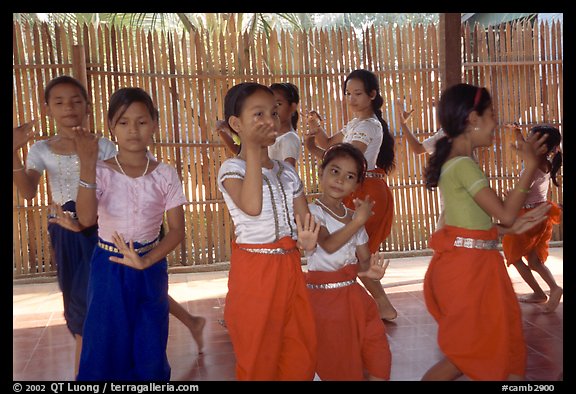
(188, 76)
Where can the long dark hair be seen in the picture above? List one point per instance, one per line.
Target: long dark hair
(552, 143)
(385, 158)
(345, 149)
(291, 95)
(456, 104)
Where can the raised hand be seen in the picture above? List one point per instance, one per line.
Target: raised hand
(403, 116)
(86, 144)
(363, 209)
(130, 257)
(377, 268)
(531, 148)
(314, 121)
(64, 219)
(307, 232)
(22, 134)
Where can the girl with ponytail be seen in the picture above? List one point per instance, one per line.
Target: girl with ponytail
(533, 244)
(467, 288)
(367, 131)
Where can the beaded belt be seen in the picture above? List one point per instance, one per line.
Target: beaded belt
(374, 175)
(114, 249)
(533, 205)
(268, 250)
(472, 243)
(336, 285)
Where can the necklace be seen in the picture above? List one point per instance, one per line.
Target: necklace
(317, 201)
(121, 169)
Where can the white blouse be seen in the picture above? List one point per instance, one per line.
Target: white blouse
(63, 170)
(369, 132)
(287, 145)
(319, 259)
(280, 186)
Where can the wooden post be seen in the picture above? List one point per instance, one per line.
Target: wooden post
(79, 65)
(450, 49)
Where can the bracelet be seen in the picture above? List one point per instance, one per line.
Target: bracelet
(522, 190)
(18, 169)
(86, 185)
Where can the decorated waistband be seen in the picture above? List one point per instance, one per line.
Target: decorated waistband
(112, 248)
(471, 243)
(326, 286)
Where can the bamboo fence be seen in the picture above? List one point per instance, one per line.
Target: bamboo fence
(188, 75)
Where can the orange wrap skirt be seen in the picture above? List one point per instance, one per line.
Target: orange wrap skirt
(469, 293)
(536, 239)
(379, 225)
(268, 314)
(351, 335)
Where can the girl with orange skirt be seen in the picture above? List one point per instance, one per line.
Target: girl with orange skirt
(351, 336)
(466, 287)
(533, 244)
(368, 132)
(268, 312)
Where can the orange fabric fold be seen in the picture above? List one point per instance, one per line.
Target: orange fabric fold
(268, 314)
(536, 239)
(351, 336)
(469, 293)
(379, 225)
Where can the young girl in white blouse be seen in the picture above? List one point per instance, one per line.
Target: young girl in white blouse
(351, 335)
(67, 103)
(267, 312)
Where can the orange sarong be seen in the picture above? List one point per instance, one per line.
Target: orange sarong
(351, 335)
(268, 314)
(469, 293)
(536, 239)
(379, 225)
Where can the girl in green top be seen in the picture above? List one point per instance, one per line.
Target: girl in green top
(467, 288)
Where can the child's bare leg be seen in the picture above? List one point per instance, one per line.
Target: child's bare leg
(387, 311)
(555, 291)
(194, 323)
(526, 274)
(442, 370)
(78, 339)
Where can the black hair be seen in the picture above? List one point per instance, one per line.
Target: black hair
(552, 142)
(61, 80)
(345, 149)
(237, 95)
(385, 158)
(124, 97)
(291, 94)
(456, 104)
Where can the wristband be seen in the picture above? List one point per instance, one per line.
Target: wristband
(18, 169)
(522, 190)
(86, 185)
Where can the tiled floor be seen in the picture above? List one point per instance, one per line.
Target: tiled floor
(44, 350)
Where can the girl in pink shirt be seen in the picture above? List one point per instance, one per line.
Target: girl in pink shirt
(126, 328)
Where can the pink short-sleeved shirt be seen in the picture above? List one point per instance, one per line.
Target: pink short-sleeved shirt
(134, 207)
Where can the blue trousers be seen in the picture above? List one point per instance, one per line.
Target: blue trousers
(73, 252)
(126, 329)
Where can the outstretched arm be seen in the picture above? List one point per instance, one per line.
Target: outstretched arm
(25, 180)
(403, 116)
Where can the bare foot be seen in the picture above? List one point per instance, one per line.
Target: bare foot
(387, 311)
(197, 331)
(533, 299)
(554, 300)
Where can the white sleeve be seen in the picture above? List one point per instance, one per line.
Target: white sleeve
(291, 147)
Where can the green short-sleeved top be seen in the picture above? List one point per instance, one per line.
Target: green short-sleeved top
(460, 179)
